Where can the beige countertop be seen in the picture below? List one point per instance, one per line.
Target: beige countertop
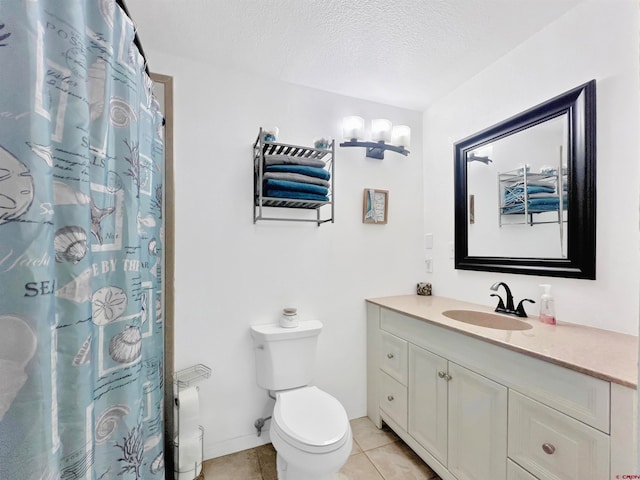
(600, 353)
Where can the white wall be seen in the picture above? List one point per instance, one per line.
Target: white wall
(596, 40)
(231, 273)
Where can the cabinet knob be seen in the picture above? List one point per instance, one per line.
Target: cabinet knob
(548, 448)
(444, 375)
(389, 356)
(390, 398)
(441, 374)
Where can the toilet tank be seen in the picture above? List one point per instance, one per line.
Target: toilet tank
(285, 357)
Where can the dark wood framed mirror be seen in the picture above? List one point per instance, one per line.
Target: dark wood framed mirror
(525, 191)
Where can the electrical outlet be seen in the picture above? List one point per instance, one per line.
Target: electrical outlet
(428, 265)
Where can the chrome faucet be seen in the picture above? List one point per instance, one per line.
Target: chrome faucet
(509, 308)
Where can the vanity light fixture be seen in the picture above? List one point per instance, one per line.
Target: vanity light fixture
(383, 136)
(472, 157)
(482, 155)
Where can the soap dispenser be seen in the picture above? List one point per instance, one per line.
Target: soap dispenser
(547, 307)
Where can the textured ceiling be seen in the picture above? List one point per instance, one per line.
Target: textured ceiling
(399, 52)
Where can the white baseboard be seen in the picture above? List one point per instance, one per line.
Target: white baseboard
(235, 445)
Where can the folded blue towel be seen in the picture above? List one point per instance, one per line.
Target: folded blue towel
(543, 201)
(304, 170)
(531, 189)
(536, 205)
(271, 184)
(296, 195)
(532, 208)
(296, 177)
(512, 194)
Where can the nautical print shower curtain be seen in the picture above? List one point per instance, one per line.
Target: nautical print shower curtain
(81, 172)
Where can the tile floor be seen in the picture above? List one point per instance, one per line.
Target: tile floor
(377, 455)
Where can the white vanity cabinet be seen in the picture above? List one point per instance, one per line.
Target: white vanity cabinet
(474, 410)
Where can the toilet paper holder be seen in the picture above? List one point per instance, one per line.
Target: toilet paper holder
(184, 379)
(189, 471)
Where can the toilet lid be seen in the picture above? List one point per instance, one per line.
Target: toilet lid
(310, 417)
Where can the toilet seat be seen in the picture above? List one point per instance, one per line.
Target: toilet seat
(310, 420)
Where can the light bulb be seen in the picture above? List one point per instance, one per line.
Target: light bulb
(381, 130)
(353, 128)
(401, 136)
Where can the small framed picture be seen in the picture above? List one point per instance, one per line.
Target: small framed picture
(375, 205)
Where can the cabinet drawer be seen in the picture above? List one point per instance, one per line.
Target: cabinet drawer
(393, 353)
(393, 399)
(516, 472)
(550, 444)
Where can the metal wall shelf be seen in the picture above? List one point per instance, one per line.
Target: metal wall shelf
(192, 375)
(261, 201)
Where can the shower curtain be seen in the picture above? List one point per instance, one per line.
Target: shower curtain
(81, 173)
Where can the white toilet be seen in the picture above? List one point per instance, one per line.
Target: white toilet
(309, 429)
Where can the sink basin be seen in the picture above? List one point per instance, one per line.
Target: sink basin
(488, 320)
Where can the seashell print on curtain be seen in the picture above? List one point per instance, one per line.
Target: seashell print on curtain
(81, 165)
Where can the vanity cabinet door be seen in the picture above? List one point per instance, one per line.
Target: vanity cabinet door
(477, 426)
(428, 401)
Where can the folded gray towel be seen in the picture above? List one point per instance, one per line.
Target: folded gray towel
(288, 160)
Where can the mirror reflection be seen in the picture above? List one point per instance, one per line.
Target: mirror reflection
(525, 191)
(517, 190)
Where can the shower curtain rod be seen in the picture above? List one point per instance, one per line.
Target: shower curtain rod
(136, 39)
